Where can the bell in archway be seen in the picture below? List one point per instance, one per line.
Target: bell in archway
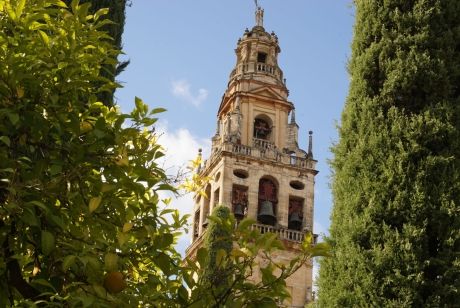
(266, 214)
(295, 221)
(238, 211)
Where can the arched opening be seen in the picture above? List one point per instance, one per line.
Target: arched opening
(293, 157)
(262, 127)
(295, 216)
(261, 57)
(240, 201)
(216, 197)
(268, 200)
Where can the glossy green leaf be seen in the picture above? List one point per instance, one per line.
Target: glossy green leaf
(111, 262)
(94, 203)
(6, 140)
(20, 7)
(68, 262)
(44, 37)
(163, 262)
(47, 242)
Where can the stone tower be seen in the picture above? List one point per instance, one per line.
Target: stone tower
(257, 167)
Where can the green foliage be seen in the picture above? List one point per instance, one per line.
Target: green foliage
(395, 226)
(79, 181)
(82, 223)
(113, 10)
(224, 271)
(218, 241)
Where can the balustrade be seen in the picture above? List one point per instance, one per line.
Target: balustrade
(262, 149)
(241, 149)
(262, 143)
(283, 233)
(255, 68)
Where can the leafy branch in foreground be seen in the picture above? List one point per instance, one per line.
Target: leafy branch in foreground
(80, 214)
(237, 265)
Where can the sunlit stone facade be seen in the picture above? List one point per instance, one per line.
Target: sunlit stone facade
(257, 167)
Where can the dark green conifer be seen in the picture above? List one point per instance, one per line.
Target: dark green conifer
(218, 240)
(396, 219)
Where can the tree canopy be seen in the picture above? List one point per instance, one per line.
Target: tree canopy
(82, 223)
(395, 227)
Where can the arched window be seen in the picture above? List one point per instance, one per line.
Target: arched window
(268, 200)
(295, 213)
(240, 201)
(262, 127)
(261, 57)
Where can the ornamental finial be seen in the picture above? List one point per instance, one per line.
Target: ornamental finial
(259, 15)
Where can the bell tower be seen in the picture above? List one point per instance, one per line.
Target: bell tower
(257, 167)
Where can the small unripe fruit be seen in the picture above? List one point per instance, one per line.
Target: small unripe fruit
(114, 282)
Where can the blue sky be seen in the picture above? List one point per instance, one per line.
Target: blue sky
(182, 53)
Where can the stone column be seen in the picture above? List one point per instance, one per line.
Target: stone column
(253, 194)
(283, 201)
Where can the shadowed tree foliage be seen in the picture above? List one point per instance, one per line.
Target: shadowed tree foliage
(395, 227)
(117, 15)
(218, 240)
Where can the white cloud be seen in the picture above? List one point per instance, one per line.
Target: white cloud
(181, 89)
(180, 148)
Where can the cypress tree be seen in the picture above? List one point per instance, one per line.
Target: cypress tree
(218, 237)
(395, 226)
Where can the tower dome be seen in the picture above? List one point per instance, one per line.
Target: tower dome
(257, 55)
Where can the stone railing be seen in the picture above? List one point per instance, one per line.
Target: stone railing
(256, 67)
(262, 67)
(241, 149)
(284, 233)
(264, 149)
(262, 143)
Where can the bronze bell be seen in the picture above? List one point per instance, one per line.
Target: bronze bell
(295, 221)
(266, 214)
(238, 211)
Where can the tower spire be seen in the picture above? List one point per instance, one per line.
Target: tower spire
(310, 144)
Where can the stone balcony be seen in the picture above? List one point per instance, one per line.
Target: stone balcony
(284, 234)
(262, 144)
(257, 67)
(263, 150)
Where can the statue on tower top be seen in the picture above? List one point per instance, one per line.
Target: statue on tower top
(259, 15)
